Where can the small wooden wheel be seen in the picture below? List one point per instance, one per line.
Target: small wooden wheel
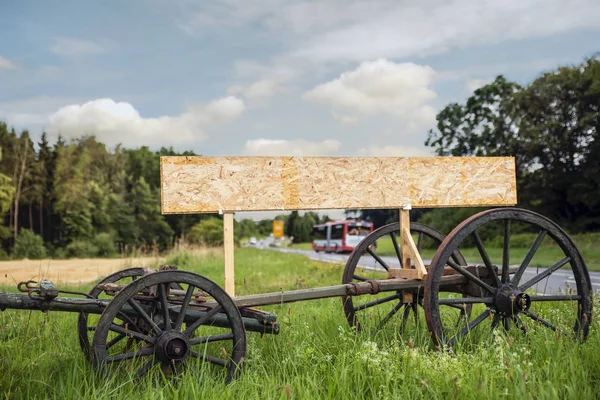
(151, 310)
(378, 252)
(509, 293)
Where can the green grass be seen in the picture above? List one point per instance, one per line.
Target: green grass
(316, 355)
(301, 246)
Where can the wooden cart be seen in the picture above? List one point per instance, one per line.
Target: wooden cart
(163, 318)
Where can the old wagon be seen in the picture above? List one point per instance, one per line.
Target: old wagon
(160, 319)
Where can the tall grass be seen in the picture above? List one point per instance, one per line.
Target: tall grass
(316, 355)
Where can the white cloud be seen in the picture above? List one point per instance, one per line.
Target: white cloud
(119, 122)
(473, 84)
(334, 31)
(262, 89)
(32, 112)
(396, 151)
(402, 90)
(7, 64)
(299, 147)
(76, 47)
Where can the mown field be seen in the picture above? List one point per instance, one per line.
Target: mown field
(316, 355)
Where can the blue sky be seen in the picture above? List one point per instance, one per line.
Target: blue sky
(263, 77)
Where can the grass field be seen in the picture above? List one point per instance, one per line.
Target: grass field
(316, 355)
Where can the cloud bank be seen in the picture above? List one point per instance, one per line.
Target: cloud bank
(298, 147)
(399, 89)
(119, 122)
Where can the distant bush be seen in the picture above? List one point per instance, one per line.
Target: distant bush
(105, 244)
(208, 232)
(29, 245)
(81, 249)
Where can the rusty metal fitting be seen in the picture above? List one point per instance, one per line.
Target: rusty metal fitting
(357, 289)
(375, 288)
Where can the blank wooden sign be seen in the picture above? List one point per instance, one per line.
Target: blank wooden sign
(191, 185)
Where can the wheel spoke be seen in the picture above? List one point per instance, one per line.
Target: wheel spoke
(495, 321)
(544, 274)
(466, 300)
(184, 306)
(209, 358)
(114, 340)
(470, 276)
(359, 278)
(520, 324)
(377, 302)
(378, 259)
(506, 323)
(540, 320)
(528, 257)
(396, 247)
(389, 315)
(212, 338)
(419, 241)
(481, 317)
(136, 306)
(191, 328)
(572, 297)
(146, 367)
(506, 254)
(405, 315)
(131, 334)
(162, 292)
(147, 351)
(485, 258)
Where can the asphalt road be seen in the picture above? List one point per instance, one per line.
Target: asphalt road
(559, 281)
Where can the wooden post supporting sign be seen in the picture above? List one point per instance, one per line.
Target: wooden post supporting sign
(228, 253)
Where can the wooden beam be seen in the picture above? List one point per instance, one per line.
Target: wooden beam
(412, 254)
(227, 184)
(228, 248)
(404, 215)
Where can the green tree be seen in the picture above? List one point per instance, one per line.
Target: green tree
(550, 126)
(29, 245)
(560, 124)
(152, 226)
(208, 232)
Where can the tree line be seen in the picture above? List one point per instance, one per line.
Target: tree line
(81, 199)
(78, 198)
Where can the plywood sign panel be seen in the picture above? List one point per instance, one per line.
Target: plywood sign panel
(219, 184)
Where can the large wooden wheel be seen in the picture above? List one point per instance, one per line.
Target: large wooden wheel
(152, 311)
(376, 254)
(510, 294)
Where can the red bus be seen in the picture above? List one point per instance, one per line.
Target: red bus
(340, 236)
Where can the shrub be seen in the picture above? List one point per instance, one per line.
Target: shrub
(81, 249)
(29, 245)
(208, 232)
(105, 244)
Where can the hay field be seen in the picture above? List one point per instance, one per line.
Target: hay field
(72, 271)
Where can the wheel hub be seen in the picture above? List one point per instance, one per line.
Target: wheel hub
(511, 301)
(172, 346)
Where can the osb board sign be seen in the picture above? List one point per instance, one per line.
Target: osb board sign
(218, 184)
